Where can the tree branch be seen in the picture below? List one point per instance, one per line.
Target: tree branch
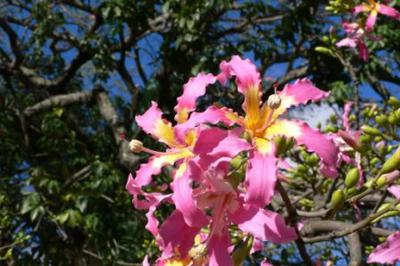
(126, 157)
(354, 243)
(59, 101)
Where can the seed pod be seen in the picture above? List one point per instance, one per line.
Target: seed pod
(391, 164)
(352, 178)
(371, 130)
(337, 199)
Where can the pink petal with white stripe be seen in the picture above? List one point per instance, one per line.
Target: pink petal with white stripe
(193, 89)
(263, 224)
(388, 252)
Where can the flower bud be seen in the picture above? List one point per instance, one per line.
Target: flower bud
(387, 179)
(337, 199)
(352, 178)
(397, 114)
(380, 182)
(135, 145)
(392, 119)
(242, 251)
(274, 101)
(393, 101)
(237, 161)
(371, 130)
(391, 164)
(280, 143)
(381, 120)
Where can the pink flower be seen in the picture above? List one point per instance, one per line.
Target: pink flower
(373, 8)
(389, 251)
(222, 205)
(183, 147)
(262, 123)
(355, 39)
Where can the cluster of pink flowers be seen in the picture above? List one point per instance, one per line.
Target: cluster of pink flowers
(224, 167)
(358, 31)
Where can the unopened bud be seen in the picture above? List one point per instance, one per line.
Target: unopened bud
(393, 101)
(391, 164)
(280, 143)
(352, 178)
(387, 179)
(135, 145)
(337, 199)
(274, 101)
(371, 130)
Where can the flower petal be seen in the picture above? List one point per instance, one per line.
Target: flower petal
(300, 92)
(346, 114)
(244, 70)
(348, 42)
(360, 8)
(152, 123)
(211, 115)
(184, 202)
(388, 252)
(153, 166)
(152, 222)
(219, 143)
(261, 175)
(175, 234)
(265, 263)
(363, 51)
(248, 83)
(218, 250)
(193, 89)
(371, 20)
(395, 191)
(388, 11)
(314, 141)
(263, 224)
